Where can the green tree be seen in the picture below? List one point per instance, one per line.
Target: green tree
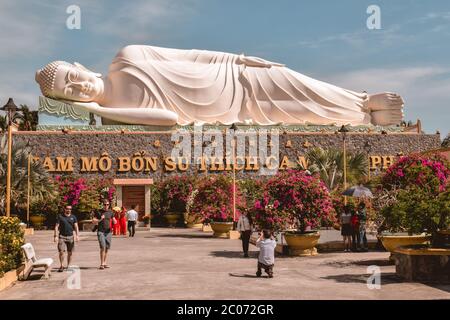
(41, 187)
(446, 142)
(329, 165)
(26, 119)
(3, 124)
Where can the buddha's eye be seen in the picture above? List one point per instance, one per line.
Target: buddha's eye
(72, 75)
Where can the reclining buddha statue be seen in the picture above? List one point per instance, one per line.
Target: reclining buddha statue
(160, 86)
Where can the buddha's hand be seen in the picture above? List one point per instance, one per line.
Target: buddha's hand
(386, 108)
(140, 116)
(257, 62)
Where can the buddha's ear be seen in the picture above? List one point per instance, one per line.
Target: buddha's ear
(79, 65)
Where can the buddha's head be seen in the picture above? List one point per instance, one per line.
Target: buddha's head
(63, 80)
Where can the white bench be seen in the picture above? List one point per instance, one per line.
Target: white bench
(32, 262)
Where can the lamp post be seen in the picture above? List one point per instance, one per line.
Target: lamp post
(29, 189)
(233, 144)
(10, 108)
(344, 131)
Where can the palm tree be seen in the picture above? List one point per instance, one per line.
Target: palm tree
(39, 178)
(446, 142)
(26, 119)
(329, 165)
(3, 124)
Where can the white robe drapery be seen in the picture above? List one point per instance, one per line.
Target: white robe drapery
(215, 87)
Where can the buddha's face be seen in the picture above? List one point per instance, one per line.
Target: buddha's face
(77, 84)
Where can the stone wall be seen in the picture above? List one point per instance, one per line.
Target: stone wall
(125, 144)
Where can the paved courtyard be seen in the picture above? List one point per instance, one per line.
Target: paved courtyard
(190, 264)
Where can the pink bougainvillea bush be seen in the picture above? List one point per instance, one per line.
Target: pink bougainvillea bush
(415, 193)
(70, 190)
(426, 171)
(174, 193)
(82, 194)
(213, 199)
(294, 199)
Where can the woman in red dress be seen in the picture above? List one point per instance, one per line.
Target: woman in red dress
(123, 221)
(116, 226)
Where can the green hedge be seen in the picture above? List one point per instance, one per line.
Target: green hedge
(11, 239)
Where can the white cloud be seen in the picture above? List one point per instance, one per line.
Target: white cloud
(32, 31)
(426, 90)
(23, 31)
(143, 20)
(394, 34)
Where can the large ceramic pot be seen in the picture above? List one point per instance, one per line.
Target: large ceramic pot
(442, 239)
(192, 221)
(172, 219)
(392, 241)
(302, 244)
(37, 221)
(221, 229)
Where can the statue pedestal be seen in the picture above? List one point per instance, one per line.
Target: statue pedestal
(58, 113)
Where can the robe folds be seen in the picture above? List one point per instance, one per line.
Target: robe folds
(215, 87)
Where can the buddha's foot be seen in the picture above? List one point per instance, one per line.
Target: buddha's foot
(386, 108)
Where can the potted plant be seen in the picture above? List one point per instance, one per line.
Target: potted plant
(146, 220)
(296, 203)
(37, 220)
(212, 203)
(192, 219)
(173, 195)
(417, 191)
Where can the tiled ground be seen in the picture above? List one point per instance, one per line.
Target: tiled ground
(190, 264)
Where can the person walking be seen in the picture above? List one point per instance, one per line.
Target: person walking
(66, 225)
(132, 217)
(362, 216)
(104, 219)
(355, 231)
(266, 258)
(346, 228)
(245, 227)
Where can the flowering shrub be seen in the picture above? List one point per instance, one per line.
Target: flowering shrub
(95, 191)
(294, 199)
(251, 190)
(174, 193)
(84, 195)
(430, 172)
(416, 211)
(190, 216)
(415, 190)
(70, 190)
(214, 199)
(267, 214)
(11, 239)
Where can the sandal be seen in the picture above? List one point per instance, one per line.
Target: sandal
(61, 269)
(106, 266)
(101, 267)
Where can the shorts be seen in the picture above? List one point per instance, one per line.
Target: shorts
(66, 243)
(104, 239)
(346, 229)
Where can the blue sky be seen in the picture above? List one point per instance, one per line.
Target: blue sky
(327, 40)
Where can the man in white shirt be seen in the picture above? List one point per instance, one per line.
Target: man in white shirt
(266, 258)
(244, 226)
(132, 217)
